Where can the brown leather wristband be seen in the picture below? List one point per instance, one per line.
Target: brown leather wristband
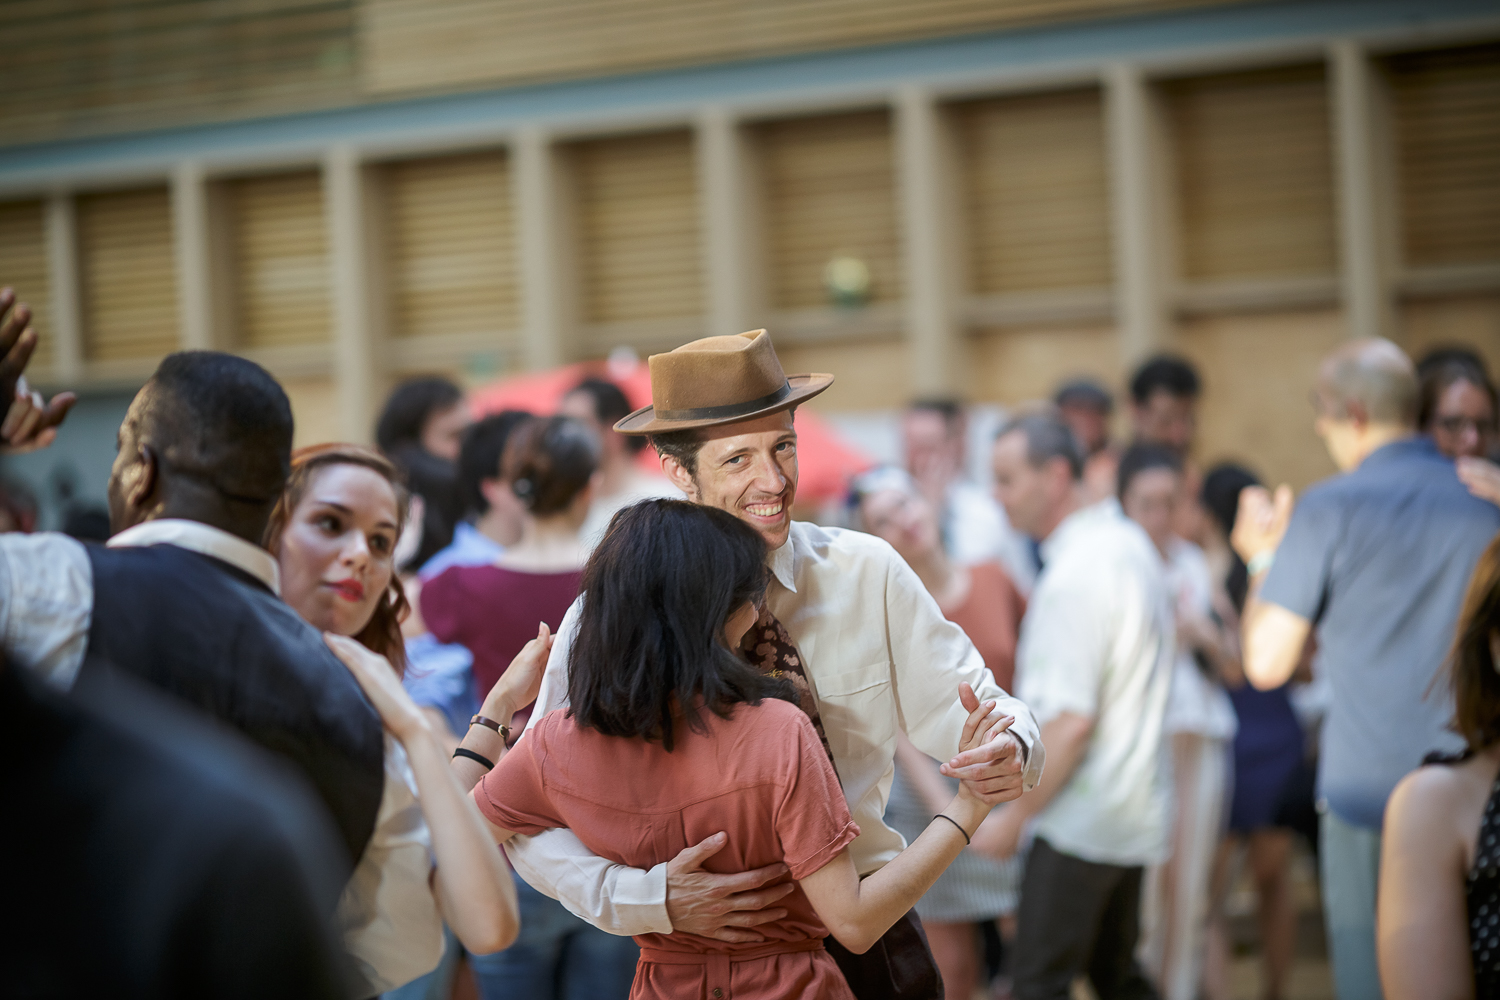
(480, 720)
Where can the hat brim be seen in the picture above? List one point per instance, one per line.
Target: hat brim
(803, 388)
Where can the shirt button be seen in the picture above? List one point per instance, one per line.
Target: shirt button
(718, 993)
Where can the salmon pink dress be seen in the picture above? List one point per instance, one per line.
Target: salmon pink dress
(761, 776)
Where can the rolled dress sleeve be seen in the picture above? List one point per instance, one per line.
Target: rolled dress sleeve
(812, 817)
(512, 796)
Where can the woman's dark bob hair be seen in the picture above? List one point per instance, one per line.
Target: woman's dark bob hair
(657, 592)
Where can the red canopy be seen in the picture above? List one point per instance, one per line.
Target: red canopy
(825, 460)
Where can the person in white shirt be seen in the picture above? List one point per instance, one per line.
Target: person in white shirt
(934, 433)
(1199, 727)
(845, 613)
(622, 482)
(1095, 663)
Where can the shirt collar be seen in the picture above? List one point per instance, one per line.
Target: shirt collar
(205, 539)
(783, 562)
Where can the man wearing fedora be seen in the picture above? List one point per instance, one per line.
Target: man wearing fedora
(844, 613)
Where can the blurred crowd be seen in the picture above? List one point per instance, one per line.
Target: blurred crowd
(1218, 671)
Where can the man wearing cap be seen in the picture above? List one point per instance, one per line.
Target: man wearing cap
(842, 610)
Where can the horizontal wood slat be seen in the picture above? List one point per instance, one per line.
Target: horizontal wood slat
(1254, 173)
(1446, 109)
(829, 191)
(23, 267)
(407, 44)
(279, 243)
(1037, 191)
(452, 246)
(87, 66)
(639, 250)
(127, 275)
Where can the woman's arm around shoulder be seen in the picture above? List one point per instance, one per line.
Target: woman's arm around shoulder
(1422, 921)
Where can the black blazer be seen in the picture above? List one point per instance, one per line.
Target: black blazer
(217, 637)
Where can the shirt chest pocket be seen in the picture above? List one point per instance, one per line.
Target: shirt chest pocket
(858, 709)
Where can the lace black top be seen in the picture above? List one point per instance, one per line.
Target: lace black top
(1482, 891)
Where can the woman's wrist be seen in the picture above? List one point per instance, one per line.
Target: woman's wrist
(967, 811)
(499, 706)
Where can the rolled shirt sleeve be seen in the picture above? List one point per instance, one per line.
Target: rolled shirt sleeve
(46, 603)
(1298, 577)
(931, 656)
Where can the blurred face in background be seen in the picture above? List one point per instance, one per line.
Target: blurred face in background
(1031, 494)
(1167, 419)
(1463, 423)
(903, 519)
(1088, 424)
(580, 406)
(443, 431)
(934, 449)
(1151, 501)
(337, 552)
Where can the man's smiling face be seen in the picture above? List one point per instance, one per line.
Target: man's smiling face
(749, 469)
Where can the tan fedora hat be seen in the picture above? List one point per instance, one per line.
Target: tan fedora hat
(719, 380)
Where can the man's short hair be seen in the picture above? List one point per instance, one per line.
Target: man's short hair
(950, 409)
(479, 455)
(1376, 374)
(1166, 373)
(1047, 437)
(610, 407)
(681, 446)
(1084, 394)
(222, 421)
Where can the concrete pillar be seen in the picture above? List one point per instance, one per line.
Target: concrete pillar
(63, 277)
(1140, 247)
(544, 238)
(192, 244)
(924, 170)
(725, 223)
(355, 372)
(1365, 213)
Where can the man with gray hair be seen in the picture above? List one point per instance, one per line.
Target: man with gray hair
(1095, 664)
(1377, 559)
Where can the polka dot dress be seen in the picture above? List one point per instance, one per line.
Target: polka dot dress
(1483, 892)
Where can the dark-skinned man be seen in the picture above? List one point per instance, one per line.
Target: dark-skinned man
(184, 597)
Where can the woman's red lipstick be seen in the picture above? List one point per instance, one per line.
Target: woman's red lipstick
(349, 589)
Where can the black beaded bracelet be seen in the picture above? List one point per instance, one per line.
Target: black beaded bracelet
(956, 825)
(489, 765)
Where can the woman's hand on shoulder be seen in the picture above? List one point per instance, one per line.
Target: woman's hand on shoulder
(518, 686)
(381, 685)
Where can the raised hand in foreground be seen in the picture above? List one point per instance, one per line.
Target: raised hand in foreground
(30, 422)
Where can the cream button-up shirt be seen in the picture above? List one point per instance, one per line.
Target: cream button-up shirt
(880, 658)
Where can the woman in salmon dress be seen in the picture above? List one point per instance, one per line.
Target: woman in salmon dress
(672, 738)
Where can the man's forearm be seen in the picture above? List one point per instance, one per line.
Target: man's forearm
(614, 898)
(1067, 738)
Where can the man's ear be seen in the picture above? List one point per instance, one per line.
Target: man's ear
(679, 477)
(142, 479)
(1356, 413)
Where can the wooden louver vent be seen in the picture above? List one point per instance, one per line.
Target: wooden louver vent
(128, 276)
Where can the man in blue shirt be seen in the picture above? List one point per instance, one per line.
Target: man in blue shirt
(1377, 559)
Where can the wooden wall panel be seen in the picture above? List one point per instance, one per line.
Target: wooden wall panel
(868, 374)
(1257, 374)
(23, 267)
(639, 250)
(422, 44)
(1023, 365)
(830, 190)
(280, 251)
(128, 275)
(451, 243)
(1446, 110)
(1037, 191)
(1254, 173)
(78, 67)
(1470, 320)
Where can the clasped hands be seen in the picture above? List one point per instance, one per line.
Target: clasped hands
(729, 907)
